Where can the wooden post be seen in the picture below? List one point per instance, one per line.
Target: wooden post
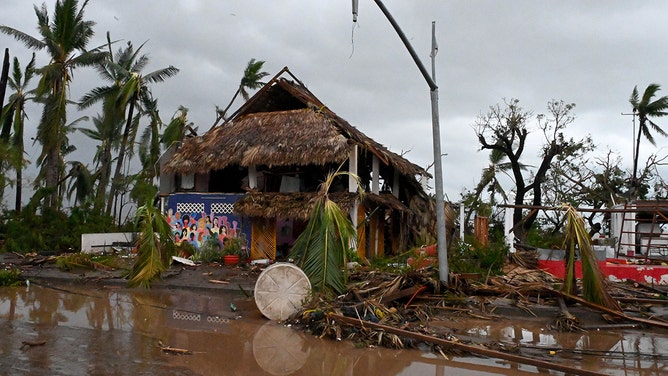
(480, 229)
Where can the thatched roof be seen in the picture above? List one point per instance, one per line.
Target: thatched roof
(282, 124)
(298, 205)
(280, 138)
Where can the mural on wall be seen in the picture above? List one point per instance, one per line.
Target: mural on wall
(197, 218)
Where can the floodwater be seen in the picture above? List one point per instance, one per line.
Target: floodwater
(80, 330)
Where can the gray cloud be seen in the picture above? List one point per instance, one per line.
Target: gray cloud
(586, 52)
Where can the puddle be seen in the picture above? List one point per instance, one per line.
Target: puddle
(98, 331)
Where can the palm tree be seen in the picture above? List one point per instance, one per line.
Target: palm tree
(81, 181)
(106, 132)
(65, 39)
(250, 80)
(144, 188)
(128, 88)
(489, 179)
(14, 116)
(646, 108)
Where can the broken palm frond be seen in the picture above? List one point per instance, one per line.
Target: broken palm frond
(322, 249)
(613, 312)
(154, 247)
(525, 258)
(594, 288)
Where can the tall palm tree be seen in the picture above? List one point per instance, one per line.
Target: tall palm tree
(250, 80)
(14, 116)
(144, 188)
(645, 108)
(127, 90)
(65, 38)
(106, 132)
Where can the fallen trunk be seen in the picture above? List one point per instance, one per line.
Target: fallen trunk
(463, 347)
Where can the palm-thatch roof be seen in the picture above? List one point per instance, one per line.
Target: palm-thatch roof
(299, 205)
(282, 124)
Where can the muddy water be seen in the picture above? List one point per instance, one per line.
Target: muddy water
(70, 330)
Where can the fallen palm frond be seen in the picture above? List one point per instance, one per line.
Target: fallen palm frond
(525, 258)
(154, 247)
(594, 288)
(322, 249)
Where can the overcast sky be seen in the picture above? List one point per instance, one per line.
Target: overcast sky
(590, 53)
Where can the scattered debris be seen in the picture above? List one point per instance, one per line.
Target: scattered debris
(30, 344)
(183, 261)
(404, 309)
(173, 350)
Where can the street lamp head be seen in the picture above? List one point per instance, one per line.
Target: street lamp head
(355, 7)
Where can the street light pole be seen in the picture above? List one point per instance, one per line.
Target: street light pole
(436, 134)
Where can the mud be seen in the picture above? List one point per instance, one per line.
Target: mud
(91, 324)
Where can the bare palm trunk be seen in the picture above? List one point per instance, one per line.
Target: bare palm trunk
(52, 172)
(115, 182)
(19, 189)
(3, 78)
(19, 168)
(105, 163)
(634, 180)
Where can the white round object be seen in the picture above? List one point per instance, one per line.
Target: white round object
(280, 291)
(279, 350)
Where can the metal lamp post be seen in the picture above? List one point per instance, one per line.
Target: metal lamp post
(436, 134)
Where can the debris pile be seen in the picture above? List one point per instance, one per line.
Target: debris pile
(412, 308)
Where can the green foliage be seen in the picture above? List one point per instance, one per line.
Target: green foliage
(544, 236)
(88, 261)
(10, 277)
(471, 256)
(322, 249)
(52, 230)
(155, 246)
(209, 252)
(232, 246)
(185, 249)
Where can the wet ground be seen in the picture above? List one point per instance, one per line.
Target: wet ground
(83, 324)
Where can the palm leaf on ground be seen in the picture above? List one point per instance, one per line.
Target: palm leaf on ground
(154, 246)
(594, 287)
(322, 249)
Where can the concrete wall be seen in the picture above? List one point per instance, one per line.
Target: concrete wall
(103, 242)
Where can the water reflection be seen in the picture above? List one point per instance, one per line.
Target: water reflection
(103, 331)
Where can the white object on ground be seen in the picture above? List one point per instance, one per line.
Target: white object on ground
(182, 260)
(280, 291)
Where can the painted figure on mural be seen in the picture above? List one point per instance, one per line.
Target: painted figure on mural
(214, 228)
(193, 241)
